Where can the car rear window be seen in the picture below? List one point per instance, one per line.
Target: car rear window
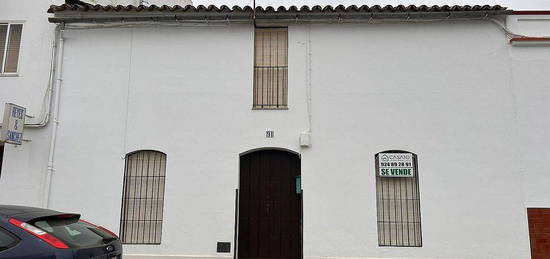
(7, 240)
(76, 234)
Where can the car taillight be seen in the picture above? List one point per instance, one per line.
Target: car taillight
(51, 240)
(100, 227)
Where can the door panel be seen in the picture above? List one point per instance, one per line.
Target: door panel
(269, 207)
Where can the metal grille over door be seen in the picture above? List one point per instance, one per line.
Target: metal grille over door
(143, 198)
(398, 206)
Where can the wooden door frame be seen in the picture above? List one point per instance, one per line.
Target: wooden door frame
(268, 148)
(237, 193)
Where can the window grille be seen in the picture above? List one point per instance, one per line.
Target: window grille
(143, 198)
(270, 68)
(398, 207)
(10, 43)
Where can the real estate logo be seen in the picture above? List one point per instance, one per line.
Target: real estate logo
(395, 165)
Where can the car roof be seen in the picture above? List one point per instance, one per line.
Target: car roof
(26, 214)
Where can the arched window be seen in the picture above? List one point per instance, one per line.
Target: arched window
(398, 199)
(143, 197)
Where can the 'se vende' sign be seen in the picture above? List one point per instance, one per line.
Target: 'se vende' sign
(12, 125)
(395, 165)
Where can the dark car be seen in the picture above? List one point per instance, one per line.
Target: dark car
(27, 232)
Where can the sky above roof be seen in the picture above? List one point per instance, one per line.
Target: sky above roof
(512, 4)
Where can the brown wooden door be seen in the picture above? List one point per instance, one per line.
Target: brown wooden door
(270, 208)
(539, 232)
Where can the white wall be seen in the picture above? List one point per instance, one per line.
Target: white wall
(440, 91)
(24, 166)
(443, 91)
(530, 80)
(165, 91)
(28, 88)
(457, 94)
(531, 87)
(529, 25)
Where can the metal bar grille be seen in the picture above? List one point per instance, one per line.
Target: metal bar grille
(143, 198)
(398, 206)
(270, 68)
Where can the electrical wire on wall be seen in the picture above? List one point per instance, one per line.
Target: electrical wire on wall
(45, 112)
(129, 83)
(509, 33)
(308, 81)
(254, 11)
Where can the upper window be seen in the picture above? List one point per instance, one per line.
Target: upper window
(270, 68)
(398, 199)
(143, 198)
(10, 43)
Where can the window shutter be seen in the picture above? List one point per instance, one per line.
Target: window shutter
(14, 43)
(270, 68)
(3, 40)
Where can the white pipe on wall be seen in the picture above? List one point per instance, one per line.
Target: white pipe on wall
(56, 90)
(46, 111)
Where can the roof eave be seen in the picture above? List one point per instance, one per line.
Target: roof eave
(247, 16)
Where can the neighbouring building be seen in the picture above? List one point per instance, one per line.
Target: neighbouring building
(311, 132)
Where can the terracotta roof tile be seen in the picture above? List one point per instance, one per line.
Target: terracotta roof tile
(84, 7)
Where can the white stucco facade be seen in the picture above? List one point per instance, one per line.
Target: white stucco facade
(457, 94)
(29, 89)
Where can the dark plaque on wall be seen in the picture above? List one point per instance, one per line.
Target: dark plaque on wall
(224, 247)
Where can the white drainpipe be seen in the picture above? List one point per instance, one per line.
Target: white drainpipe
(57, 90)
